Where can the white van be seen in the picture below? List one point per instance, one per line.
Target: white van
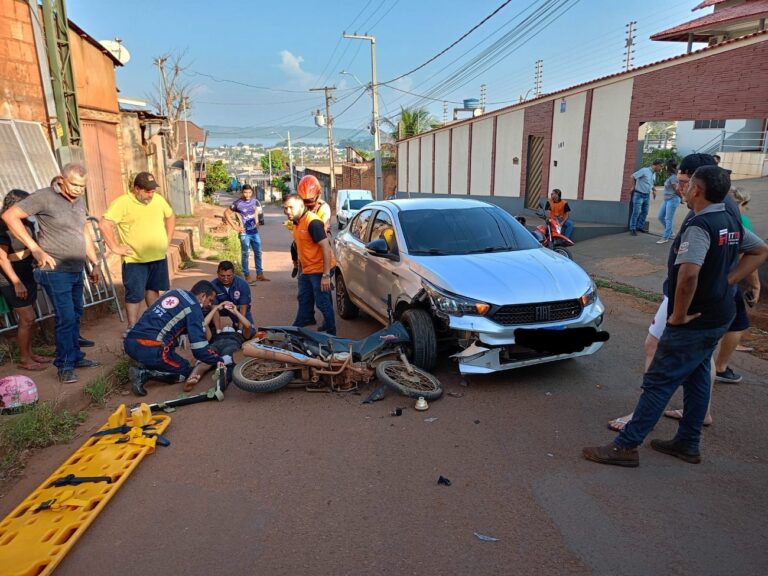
(349, 203)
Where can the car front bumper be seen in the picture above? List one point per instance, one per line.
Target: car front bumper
(498, 350)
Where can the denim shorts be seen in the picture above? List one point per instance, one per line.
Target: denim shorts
(139, 277)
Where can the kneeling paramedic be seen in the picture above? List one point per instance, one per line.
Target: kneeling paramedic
(152, 341)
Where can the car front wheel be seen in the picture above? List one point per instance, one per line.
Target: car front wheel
(423, 346)
(344, 305)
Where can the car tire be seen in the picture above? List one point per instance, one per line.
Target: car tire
(423, 345)
(344, 305)
(339, 225)
(261, 220)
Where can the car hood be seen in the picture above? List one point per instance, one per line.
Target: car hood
(537, 275)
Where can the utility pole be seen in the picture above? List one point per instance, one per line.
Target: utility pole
(160, 63)
(538, 78)
(290, 164)
(629, 55)
(329, 125)
(483, 90)
(375, 92)
(271, 190)
(445, 113)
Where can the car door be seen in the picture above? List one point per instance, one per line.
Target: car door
(381, 273)
(352, 254)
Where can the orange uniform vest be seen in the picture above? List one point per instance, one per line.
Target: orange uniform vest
(557, 209)
(310, 253)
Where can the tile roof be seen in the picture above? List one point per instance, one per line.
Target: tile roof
(706, 4)
(749, 10)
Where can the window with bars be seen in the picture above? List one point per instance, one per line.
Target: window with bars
(708, 124)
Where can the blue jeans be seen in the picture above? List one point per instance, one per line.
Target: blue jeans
(682, 358)
(252, 241)
(567, 228)
(65, 290)
(667, 214)
(310, 294)
(639, 211)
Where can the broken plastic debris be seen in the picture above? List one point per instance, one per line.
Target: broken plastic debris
(444, 481)
(463, 382)
(550, 454)
(430, 420)
(485, 538)
(456, 394)
(471, 350)
(548, 394)
(396, 412)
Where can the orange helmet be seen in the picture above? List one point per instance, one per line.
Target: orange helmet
(310, 188)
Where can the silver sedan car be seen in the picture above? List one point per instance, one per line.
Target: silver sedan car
(465, 275)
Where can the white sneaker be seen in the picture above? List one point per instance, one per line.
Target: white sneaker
(662, 241)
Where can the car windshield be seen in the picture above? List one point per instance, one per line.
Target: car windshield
(463, 231)
(357, 204)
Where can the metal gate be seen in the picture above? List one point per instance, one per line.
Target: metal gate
(534, 172)
(103, 165)
(93, 294)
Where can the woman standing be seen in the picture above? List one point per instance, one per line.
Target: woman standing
(18, 285)
(672, 199)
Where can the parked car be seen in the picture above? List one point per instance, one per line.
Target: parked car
(349, 203)
(463, 273)
(260, 213)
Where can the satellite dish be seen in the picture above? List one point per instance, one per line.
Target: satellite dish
(117, 50)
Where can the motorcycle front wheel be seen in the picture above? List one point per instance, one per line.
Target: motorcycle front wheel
(418, 383)
(258, 375)
(563, 252)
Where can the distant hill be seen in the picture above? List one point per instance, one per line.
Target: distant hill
(298, 133)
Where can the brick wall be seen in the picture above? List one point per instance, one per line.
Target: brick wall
(362, 177)
(21, 92)
(732, 84)
(537, 122)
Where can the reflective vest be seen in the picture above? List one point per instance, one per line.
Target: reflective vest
(310, 253)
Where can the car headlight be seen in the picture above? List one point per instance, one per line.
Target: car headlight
(590, 296)
(452, 304)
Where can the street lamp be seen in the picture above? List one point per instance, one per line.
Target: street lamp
(366, 86)
(375, 127)
(290, 159)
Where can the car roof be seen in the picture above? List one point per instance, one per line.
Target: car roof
(432, 203)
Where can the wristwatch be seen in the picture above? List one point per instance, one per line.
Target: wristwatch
(326, 275)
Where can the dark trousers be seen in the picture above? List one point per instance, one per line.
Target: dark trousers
(65, 289)
(310, 294)
(155, 356)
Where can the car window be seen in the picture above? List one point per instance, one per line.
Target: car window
(359, 224)
(382, 229)
(463, 231)
(357, 204)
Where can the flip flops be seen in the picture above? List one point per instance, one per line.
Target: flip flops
(617, 425)
(677, 414)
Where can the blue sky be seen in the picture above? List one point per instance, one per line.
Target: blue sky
(293, 46)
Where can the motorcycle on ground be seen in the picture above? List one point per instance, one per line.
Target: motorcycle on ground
(550, 235)
(282, 355)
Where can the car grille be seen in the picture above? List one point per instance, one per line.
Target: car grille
(538, 313)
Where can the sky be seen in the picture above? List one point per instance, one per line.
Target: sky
(251, 63)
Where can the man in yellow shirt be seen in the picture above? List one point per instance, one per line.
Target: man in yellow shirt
(145, 224)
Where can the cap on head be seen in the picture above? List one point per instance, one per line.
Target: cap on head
(145, 181)
(309, 188)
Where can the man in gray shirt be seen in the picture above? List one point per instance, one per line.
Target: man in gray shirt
(63, 244)
(642, 187)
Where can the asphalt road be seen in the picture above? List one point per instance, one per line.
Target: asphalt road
(302, 483)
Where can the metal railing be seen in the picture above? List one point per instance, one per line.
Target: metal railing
(739, 141)
(93, 294)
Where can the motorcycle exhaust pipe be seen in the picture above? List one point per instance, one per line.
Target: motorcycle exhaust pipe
(256, 350)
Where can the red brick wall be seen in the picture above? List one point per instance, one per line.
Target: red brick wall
(20, 83)
(731, 85)
(537, 122)
(362, 177)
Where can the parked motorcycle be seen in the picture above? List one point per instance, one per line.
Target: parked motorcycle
(280, 355)
(550, 235)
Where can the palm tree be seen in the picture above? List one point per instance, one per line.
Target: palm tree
(413, 121)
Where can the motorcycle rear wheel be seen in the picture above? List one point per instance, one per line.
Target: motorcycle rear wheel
(420, 383)
(258, 375)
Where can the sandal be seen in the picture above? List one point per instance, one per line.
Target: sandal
(32, 366)
(618, 424)
(677, 414)
(741, 348)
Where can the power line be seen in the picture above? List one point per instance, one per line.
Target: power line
(436, 56)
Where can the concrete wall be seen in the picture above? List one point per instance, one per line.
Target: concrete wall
(481, 157)
(427, 152)
(414, 164)
(744, 164)
(442, 145)
(607, 137)
(509, 151)
(567, 128)
(459, 159)
(402, 165)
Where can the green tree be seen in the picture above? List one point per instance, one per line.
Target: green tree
(414, 121)
(278, 161)
(216, 177)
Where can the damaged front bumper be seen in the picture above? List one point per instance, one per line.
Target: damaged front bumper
(491, 347)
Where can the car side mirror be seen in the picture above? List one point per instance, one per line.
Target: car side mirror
(379, 248)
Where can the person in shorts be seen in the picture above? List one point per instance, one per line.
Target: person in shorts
(145, 225)
(18, 285)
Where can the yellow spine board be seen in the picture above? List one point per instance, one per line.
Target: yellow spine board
(33, 540)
